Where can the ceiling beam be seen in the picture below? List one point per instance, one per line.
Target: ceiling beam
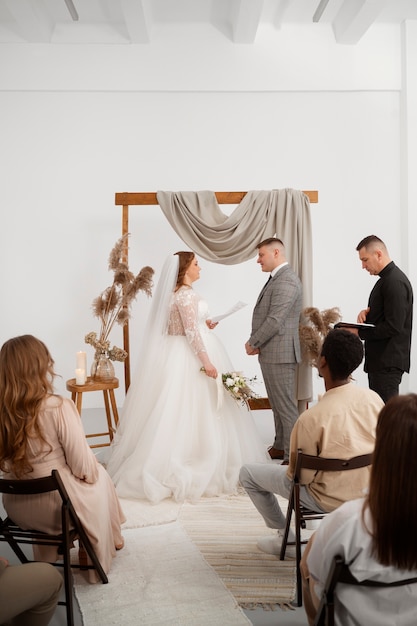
(354, 18)
(137, 18)
(320, 10)
(72, 10)
(32, 22)
(245, 17)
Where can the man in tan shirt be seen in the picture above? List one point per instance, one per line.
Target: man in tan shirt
(341, 425)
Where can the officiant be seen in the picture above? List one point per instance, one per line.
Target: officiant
(275, 339)
(390, 311)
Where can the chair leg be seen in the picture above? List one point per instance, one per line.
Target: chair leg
(68, 587)
(298, 551)
(85, 542)
(287, 527)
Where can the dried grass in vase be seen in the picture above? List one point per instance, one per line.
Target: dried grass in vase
(112, 306)
(314, 328)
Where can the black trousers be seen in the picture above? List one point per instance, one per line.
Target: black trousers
(386, 382)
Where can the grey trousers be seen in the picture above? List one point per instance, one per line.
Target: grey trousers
(279, 379)
(262, 481)
(29, 593)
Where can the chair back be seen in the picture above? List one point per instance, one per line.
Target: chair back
(324, 464)
(28, 487)
(71, 530)
(340, 573)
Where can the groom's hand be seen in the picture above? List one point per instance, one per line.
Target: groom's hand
(250, 350)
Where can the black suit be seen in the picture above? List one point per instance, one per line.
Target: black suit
(387, 346)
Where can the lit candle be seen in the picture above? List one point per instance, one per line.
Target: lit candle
(80, 376)
(82, 361)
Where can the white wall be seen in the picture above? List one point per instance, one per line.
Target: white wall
(80, 123)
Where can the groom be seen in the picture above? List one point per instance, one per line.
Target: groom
(275, 338)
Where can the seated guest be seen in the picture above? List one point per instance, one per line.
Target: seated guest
(376, 535)
(29, 593)
(39, 432)
(341, 425)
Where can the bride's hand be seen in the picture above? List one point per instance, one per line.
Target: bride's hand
(210, 371)
(211, 324)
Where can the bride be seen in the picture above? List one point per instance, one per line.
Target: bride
(180, 434)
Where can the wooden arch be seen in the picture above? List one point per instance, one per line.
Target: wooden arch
(126, 199)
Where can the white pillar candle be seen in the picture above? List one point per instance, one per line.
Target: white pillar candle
(80, 376)
(82, 361)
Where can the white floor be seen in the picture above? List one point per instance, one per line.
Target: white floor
(93, 420)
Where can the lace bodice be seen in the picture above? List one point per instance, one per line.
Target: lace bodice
(188, 312)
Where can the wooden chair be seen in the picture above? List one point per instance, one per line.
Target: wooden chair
(303, 515)
(72, 530)
(340, 573)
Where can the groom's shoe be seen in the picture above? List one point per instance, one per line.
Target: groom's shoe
(274, 453)
(272, 544)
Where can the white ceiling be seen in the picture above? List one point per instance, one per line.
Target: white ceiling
(140, 21)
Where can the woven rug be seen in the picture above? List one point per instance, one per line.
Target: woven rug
(226, 531)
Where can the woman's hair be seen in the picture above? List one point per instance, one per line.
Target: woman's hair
(26, 377)
(185, 260)
(392, 498)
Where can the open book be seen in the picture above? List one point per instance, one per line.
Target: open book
(353, 325)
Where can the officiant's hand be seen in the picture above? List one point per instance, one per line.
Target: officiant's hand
(211, 324)
(362, 316)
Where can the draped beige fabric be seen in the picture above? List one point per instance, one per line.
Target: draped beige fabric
(198, 220)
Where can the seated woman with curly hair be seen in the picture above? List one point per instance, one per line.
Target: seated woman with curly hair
(41, 431)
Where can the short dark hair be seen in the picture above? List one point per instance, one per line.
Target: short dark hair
(343, 352)
(267, 242)
(369, 241)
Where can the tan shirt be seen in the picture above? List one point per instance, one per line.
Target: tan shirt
(341, 425)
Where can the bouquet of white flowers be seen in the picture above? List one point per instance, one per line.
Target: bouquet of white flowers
(237, 385)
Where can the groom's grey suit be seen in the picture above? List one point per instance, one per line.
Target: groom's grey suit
(275, 333)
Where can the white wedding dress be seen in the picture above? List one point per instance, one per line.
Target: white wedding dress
(181, 434)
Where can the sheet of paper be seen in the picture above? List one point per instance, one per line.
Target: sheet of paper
(239, 305)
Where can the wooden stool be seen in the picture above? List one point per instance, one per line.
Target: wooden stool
(107, 387)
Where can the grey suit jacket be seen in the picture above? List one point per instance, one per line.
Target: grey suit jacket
(276, 319)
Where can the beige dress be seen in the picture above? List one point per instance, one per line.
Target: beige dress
(89, 486)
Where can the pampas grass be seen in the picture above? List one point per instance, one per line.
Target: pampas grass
(314, 328)
(112, 306)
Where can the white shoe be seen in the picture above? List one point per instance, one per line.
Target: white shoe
(312, 524)
(272, 544)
